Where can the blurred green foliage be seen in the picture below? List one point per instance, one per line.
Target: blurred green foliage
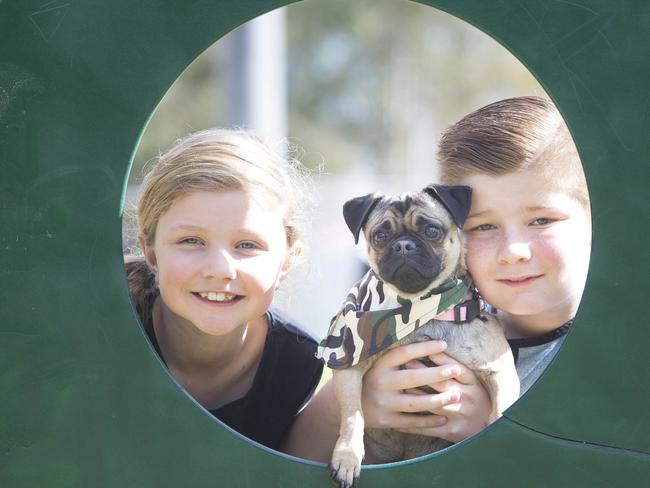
(371, 83)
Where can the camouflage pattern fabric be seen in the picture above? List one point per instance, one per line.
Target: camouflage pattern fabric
(373, 318)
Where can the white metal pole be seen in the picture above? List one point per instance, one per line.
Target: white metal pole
(258, 87)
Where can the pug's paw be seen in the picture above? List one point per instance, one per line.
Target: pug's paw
(345, 466)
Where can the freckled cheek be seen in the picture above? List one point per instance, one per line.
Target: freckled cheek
(478, 257)
(569, 261)
(550, 251)
(477, 249)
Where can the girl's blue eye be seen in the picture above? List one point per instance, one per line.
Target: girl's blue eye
(190, 240)
(248, 245)
(542, 221)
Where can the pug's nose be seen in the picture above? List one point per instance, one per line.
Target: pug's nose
(403, 246)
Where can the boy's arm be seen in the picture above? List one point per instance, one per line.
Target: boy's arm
(460, 410)
(389, 398)
(316, 428)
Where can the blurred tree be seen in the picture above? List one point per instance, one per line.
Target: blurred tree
(375, 81)
(371, 85)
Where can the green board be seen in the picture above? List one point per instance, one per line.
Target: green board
(84, 401)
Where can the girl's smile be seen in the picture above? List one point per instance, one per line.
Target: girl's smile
(218, 298)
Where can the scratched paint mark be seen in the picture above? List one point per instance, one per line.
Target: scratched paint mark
(48, 19)
(48, 4)
(17, 87)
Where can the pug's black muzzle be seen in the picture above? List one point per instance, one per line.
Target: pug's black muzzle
(409, 265)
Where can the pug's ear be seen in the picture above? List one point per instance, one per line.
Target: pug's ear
(356, 211)
(456, 199)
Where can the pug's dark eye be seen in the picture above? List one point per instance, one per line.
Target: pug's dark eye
(433, 232)
(379, 237)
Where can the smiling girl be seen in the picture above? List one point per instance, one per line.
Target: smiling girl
(219, 219)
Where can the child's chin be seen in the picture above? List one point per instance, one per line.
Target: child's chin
(517, 306)
(215, 327)
(215, 330)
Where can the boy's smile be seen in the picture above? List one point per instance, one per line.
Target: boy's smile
(517, 281)
(528, 249)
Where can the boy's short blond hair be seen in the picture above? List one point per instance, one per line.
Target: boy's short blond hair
(511, 135)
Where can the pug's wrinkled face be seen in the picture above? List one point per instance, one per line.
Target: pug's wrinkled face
(413, 243)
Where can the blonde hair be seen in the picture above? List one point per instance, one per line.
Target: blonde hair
(224, 160)
(513, 135)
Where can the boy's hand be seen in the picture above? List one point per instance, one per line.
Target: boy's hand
(390, 394)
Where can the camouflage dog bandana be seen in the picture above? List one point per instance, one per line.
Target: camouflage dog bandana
(373, 318)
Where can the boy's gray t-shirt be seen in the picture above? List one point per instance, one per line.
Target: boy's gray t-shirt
(533, 354)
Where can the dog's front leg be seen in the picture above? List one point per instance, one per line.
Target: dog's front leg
(502, 383)
(503, 387)
(345, 466)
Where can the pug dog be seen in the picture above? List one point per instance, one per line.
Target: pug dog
(417, 289)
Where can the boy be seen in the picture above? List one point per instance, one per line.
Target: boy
(528, 239)
(528, 235)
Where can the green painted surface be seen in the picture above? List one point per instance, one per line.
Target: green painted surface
(514, 456)
(84, 400)
(592, 59)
